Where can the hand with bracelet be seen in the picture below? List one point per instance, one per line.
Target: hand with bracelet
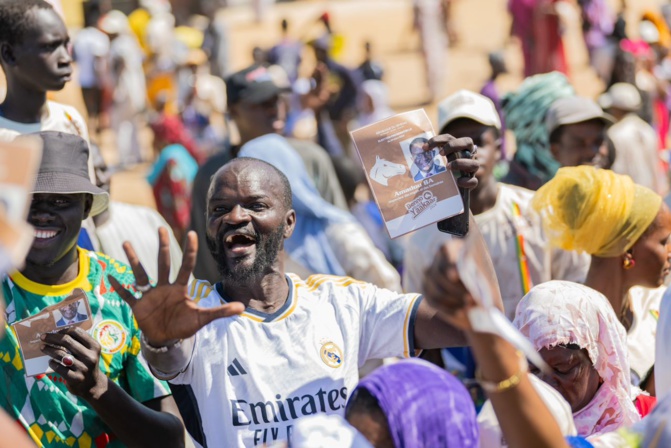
(166, 313)
(503, 372)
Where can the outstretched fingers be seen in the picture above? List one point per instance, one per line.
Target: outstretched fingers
(141, 277)
(126, 295)
(188, 258)
(163, 256)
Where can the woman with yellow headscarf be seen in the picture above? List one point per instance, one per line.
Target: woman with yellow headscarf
(625, 227)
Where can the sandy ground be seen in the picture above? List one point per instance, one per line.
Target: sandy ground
(482, 26)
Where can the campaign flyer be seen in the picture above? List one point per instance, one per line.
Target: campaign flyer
(74, 311)
(412, 187)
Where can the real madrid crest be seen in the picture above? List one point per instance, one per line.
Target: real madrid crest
(110, 334)
(331, 355)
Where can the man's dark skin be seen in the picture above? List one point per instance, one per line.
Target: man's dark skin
(39, 63)
(252, 121)
(247, 204)
(256, 120)
(483, 197)
(55, 261)
(581, 144)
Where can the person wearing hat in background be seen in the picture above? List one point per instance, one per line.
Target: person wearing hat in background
(256, 107)
(100, 390)
(577, 130)
(512, 231)
(634, 140)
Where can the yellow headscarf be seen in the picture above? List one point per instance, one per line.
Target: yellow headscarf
(595, 211)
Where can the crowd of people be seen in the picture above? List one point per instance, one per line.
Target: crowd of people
(262, 303)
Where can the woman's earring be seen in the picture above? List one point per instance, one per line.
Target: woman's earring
(628, 262)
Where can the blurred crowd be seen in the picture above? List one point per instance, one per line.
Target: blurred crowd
(263, 303)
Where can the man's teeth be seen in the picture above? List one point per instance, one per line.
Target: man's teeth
(44, 234)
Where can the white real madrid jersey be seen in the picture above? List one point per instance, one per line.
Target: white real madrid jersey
(255, 374)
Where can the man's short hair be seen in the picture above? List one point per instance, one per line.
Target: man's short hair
(287, 200)
(15, 18)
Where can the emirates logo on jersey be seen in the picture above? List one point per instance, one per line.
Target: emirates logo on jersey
(331, 355)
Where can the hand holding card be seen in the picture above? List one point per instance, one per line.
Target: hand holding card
(72, 312)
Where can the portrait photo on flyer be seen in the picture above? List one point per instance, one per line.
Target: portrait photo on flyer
(74, 311)
(411, 185)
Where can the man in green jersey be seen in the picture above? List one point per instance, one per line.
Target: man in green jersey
(101, 392)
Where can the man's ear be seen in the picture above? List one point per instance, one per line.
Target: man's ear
(289, 223)
(554, 149)
(7, 54)
(88, 203)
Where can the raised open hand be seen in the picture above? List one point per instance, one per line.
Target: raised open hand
(165, 312)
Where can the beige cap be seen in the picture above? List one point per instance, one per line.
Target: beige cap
(623, 96)
(467, 104)
(572, 110)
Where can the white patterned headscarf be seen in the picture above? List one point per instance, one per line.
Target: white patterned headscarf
(560, 313)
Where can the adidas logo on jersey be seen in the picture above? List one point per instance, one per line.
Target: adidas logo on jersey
(235, 368)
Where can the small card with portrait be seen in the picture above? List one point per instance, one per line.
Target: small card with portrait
(74, 311)
(411, 185)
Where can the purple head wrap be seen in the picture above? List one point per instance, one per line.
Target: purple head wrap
(425, 406)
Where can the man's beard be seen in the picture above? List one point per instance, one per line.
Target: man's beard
(233, 271)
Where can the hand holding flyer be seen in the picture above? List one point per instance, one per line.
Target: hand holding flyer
(411, 185)
(73, 311)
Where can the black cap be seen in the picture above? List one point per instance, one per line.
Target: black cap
(64, 168)
(252, 85)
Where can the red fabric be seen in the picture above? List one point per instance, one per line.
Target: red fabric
(548, 52)
(645, 404)
(173, 197)
(169, 129)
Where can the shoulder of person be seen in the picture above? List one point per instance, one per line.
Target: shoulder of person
(333, 286)
(647, 300)
(513, 194)
(63, 112)
(56, 107)
(299, 144)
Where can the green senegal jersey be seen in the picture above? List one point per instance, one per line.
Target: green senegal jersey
(51, 415)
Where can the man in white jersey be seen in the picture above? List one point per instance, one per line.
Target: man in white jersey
(296, 349)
